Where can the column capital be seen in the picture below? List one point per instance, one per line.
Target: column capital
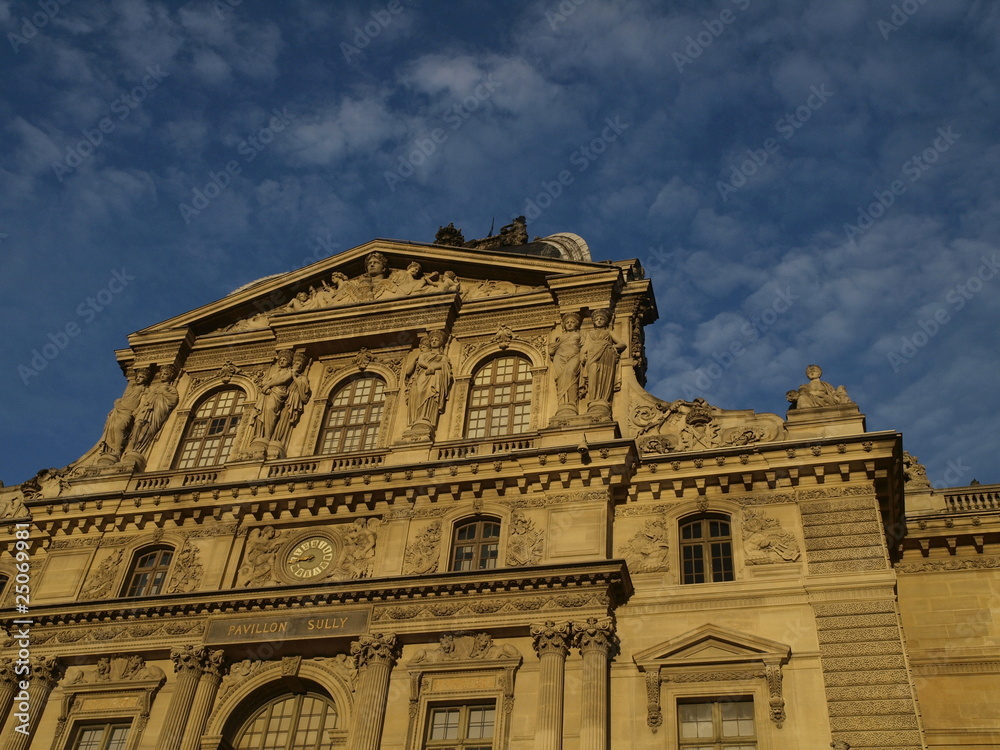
(551, 638)
(8, 679)
(213, 664)
(188, 659)
(595, 634)
(46, 670)
(375, 647)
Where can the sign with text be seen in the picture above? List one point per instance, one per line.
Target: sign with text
(276, 628)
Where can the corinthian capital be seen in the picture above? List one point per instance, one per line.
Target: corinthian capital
(551, 638)
(596, 634)
(188, 659)
(46, 670)
(375, 647)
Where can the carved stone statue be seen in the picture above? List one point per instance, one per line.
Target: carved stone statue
(118, 425)
(565, 351)
(817, 393)
(267, 410)
(299, 394)
(428, 373)
(155, 405)
(914, 473)
(449, 235)
(258, 565)
(599, 360)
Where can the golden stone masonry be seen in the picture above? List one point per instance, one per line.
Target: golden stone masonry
(416, 496)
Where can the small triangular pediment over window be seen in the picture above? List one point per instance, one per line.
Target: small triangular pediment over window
(712, 645)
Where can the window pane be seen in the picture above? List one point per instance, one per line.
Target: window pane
(293, 722)
(499, 398)
(358, 405)
(715, 722)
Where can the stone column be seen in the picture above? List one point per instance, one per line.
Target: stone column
(597, 643)
(551, 641)
(8, 685)
(374, 655)
(45, 673)
(188, 662)
(204, 699)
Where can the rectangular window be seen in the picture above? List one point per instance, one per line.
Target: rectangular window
(720, 724)
(461, 727)
(101, 736)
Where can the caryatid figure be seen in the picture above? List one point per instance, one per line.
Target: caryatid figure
(428, 373)
(118, 425)
(273, 395)
(155, 405)
(565, 346)
(601, 352)
(299, 394)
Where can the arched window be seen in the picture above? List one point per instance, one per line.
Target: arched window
(212, 429)
(353, 416)
(148, 575)
(475, 545)
(500, 399)
(706, 548)
(290, 722)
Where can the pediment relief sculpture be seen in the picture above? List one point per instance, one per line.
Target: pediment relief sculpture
(668, 427)
(131, 668)
(465, 646)
(765, 542)
(817, 393)
(13, 508)
(379, 283)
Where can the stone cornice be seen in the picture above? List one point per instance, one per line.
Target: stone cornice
(609, 576)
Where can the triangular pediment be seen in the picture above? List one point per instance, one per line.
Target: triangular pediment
(344, 282)
(712, 645)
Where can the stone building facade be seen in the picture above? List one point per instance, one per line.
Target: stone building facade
(416, 496)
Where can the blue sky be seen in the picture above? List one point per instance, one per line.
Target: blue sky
(804, 182)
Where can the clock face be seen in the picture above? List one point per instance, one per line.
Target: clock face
(310, 558)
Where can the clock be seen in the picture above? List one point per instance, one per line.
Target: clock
(310, 559)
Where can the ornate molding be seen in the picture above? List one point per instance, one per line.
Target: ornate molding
(647, 551)
(465, 646)
(551, 638)
(375, 647)
(765, 542)
(421, 557)
(596, 634)
(525, 544)
(951, 563)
